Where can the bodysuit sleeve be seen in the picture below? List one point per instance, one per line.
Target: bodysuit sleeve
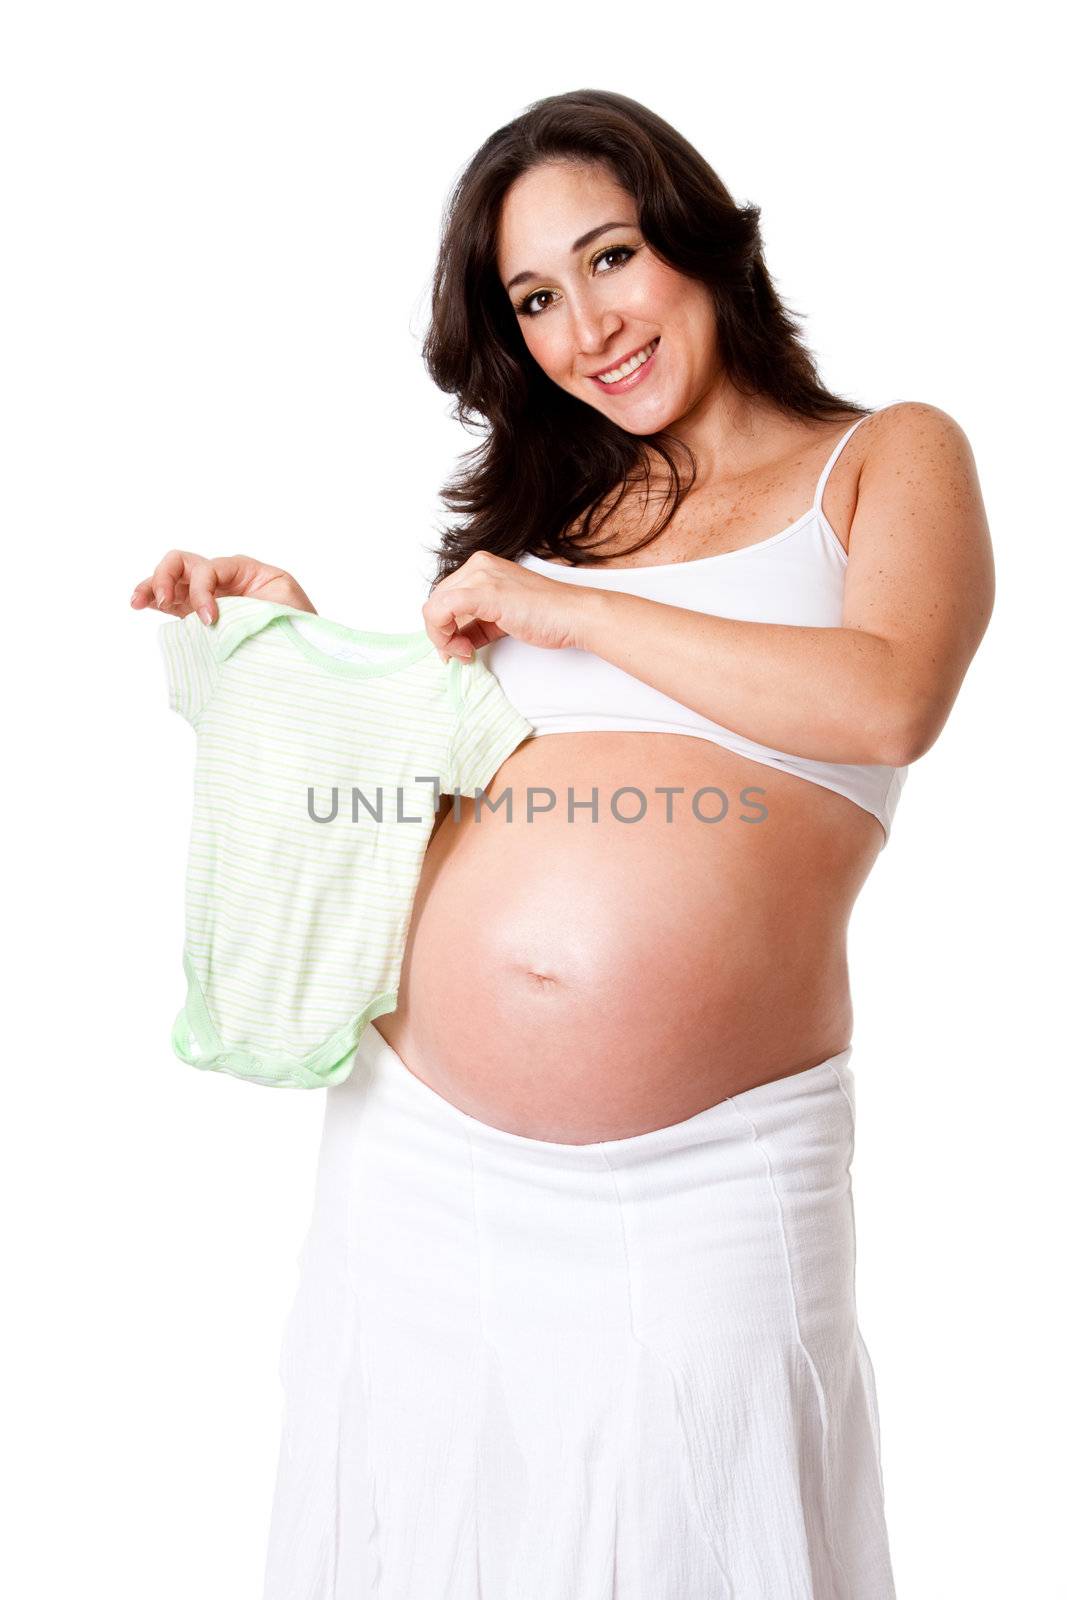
(488, 728)
(192, 669)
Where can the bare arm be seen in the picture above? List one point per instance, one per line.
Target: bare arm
(919, 593)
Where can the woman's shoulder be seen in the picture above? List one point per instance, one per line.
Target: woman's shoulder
(909, 424)
(914, 442)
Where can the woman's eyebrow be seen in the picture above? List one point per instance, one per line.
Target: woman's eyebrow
(579, 244)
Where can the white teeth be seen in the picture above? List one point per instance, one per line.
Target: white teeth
(627, 367)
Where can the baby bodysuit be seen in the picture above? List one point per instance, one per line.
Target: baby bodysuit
(320, 754)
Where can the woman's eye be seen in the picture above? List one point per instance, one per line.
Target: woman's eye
(525, 308)
(615, 250)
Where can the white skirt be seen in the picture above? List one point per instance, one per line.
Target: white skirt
(629, 1370)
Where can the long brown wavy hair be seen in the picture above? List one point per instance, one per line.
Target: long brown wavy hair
(547, 459)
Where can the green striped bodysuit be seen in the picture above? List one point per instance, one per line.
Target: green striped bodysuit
(321, 751)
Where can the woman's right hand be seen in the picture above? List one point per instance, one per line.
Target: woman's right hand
(185, 582)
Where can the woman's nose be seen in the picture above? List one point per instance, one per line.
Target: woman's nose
(593, 330)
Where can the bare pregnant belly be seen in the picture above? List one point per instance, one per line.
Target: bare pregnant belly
(574, 980)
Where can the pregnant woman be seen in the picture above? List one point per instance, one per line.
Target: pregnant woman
(576, 1315)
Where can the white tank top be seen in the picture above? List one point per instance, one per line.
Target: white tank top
(796, 576)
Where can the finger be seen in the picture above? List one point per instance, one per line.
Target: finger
(226, 574)
(220, 575)
(476, 634)
(206, 580)
(441, 614)
(184, 582)
(461, 646)
(483, 633)
(167, 580)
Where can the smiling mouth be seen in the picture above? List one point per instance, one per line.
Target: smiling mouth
(625, 368)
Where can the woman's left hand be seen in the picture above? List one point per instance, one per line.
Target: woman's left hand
(489, 596)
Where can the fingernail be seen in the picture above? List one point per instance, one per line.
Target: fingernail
(161, 599)
(204, 614)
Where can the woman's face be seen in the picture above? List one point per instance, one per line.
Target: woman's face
(589, 296)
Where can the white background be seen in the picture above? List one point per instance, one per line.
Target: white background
(220, 226)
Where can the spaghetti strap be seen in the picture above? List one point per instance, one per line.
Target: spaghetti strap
(826, 471)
